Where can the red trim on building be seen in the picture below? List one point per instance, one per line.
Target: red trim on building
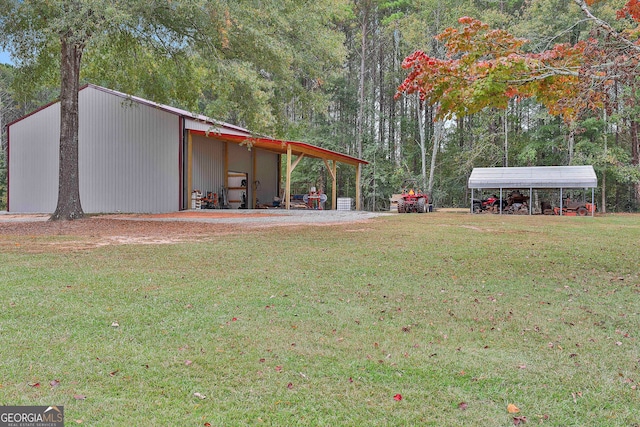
(280, 146)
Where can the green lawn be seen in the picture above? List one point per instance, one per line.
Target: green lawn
(459, 314)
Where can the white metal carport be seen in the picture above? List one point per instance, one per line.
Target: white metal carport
(561, 177)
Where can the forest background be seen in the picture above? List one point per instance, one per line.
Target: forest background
(327, 72)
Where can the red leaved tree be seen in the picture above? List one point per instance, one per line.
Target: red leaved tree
(485, 67)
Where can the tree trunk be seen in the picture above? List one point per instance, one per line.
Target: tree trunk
(635, 157)
(363, 52)
(69, 206)
(423, 144)
(571, 139)
(437, 138)
(506, 137)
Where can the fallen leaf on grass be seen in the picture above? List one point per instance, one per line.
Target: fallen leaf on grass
(290, 386)
(114, 373)
(512, 409)
(199, 395)
(519, 420)
(115, 324)
(79, 396)
(462, 406)
(188, 362)
(54, 383)
(397, 397)
(34, 384)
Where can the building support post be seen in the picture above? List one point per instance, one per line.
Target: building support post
(472, 201)
(189, 167)
(254, 181)
(287, 191)
(358, 173)
(332, 171)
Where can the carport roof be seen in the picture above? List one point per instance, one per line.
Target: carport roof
(534, 177)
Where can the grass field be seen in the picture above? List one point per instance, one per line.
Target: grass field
(440, 319)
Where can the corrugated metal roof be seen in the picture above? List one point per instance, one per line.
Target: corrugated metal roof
(534, 177)
(170, 109)
(223, 130)
(227, 131)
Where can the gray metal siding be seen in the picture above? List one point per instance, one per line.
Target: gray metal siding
(128, 155)
(34, 148)
(207, 164)
(267, 173)
(240, 159)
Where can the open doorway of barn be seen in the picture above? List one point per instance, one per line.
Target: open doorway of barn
(238, 196)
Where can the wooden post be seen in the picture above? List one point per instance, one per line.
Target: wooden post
(189, 166)
(332, 172)
(358, 173)
(334, 187)
(254, 181)
(287, 193)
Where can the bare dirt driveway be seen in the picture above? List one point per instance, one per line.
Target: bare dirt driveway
(26, 231)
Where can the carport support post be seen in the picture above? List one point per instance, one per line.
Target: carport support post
(560, 201)
(358, 173)
(254, 181)
(593, 206)
(332, 172)
(189, 167)
(287, 191)
(530, 199)
(334, 187)
(472, 200)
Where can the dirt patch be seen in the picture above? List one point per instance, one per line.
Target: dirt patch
(34, 233)
(92, 232)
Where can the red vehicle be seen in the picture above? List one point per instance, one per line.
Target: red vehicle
(571, 208)
(412, 200)
(491, 203)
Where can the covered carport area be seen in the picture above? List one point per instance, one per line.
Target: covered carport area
(295, 151)
(534, 177)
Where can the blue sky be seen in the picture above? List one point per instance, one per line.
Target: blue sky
(4, 57)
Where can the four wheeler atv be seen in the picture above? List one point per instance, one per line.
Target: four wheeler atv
(491, 204)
